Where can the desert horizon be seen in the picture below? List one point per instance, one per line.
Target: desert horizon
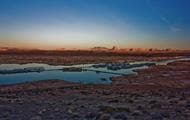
(94, 60)
(96, 48)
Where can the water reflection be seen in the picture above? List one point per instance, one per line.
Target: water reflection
(90, 75)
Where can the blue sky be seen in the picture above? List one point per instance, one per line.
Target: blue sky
(50, 24)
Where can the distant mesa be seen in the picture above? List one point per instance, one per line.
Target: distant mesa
(114, 48)
(99, 49)
(4, 48)
(16, 49)
(60, 49)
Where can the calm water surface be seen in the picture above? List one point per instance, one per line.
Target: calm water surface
(85, 77)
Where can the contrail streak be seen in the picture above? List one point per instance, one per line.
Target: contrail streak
(162, 17)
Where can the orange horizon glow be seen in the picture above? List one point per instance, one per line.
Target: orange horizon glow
(43, 46)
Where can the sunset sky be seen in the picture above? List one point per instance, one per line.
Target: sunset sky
(51, 24)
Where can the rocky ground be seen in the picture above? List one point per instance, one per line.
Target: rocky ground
(156, 93)
(75, 57)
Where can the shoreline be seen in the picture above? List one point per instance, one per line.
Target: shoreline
(136, 72)
(140, 72)
(159, 92)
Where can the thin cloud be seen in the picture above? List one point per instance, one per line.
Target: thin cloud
(175, 29)
(163, 18)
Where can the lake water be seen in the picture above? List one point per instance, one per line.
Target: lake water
(85, 77)
(52, 73)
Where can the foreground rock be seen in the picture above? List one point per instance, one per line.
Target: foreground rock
(157, 93)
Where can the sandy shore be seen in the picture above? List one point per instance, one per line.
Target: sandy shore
(157, 93)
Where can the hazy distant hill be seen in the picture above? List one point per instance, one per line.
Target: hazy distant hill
(100, 49)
